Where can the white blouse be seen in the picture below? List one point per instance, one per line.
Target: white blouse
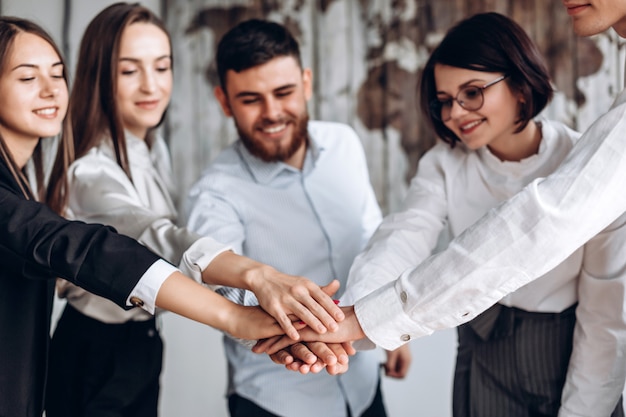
(101, 192)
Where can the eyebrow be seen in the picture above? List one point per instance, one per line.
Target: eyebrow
(465, 84)
(136, 60)
(34, 66)
(254, 94)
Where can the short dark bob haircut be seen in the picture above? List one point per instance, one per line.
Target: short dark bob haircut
(490, 42)
(252, 43)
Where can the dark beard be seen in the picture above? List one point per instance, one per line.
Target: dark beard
(300, 136)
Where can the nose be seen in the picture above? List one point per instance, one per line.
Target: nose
(456, 110)
(51, 87)
(272, 109)
(148, 82)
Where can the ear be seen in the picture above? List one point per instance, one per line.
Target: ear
(307, 83)
(220, 95)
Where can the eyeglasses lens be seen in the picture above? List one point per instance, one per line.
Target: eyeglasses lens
(470, 98)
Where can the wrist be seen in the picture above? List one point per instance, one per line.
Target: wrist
(255, 276)
(228, 317)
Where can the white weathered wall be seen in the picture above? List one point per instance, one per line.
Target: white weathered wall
(193, 380)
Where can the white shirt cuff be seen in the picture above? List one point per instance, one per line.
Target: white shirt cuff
(145, 292)
(383, 319)
(199, 255)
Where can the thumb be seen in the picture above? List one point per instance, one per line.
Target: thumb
(331, 288)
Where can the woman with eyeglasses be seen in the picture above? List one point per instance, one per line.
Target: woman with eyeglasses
(482, 90)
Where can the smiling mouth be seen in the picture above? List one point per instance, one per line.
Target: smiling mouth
(274, 129)
(148, 104)
(574, 9)
(48, 111)
(470, 126)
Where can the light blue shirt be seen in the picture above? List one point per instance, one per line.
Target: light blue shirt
(310, 222)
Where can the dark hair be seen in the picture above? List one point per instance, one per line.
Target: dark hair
(251, 43)
(54, 195)
(92, 102)
(490, 42)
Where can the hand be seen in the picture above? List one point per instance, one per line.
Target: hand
(281, 295)
(253, 323)
(398, 362)
(315, 356)
(349, 330)
(186, 297)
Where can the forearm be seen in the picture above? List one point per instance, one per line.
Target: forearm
(232, 270)
(512, 245)
(183, 296)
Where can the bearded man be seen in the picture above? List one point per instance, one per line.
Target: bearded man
(296, 195)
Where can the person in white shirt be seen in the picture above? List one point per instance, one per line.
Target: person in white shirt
(295, 194)
(482, 97)
(517, 241)
(105, 359)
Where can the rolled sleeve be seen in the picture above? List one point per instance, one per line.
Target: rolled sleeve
(198, 257)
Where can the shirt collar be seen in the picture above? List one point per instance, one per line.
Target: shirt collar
(264, 172)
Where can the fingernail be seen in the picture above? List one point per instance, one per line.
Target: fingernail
(336, 302)
(301, 322)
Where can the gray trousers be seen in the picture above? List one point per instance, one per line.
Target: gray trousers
(513, 363)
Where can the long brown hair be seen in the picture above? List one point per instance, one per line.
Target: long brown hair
(54, 194)
(92, 102)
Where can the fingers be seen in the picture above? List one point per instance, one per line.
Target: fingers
(304, 353)
(299, 366)
(350, 350)
(282, 357)
(330, 290)
(398, 362)
(264, 344)
(271, 348)
(315, 307)
(298, 358)
(287, 325)
(290, 324)
(337, 369)
(324, 352)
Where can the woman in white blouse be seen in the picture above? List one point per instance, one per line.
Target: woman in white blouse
(105, 359)
(481, 90)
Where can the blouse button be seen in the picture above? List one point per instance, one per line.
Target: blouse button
(403, 297)
(405, 337)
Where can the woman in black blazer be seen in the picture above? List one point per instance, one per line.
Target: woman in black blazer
(37, 245)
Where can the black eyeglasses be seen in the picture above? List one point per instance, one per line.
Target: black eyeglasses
(470, 98)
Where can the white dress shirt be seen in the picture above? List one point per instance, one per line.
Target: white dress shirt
(100, 192)
(511, 245)
(310, 222)
(456, 187)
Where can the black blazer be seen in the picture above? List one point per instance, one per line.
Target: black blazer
(36, 246)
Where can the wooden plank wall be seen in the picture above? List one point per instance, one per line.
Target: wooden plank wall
(366, 56)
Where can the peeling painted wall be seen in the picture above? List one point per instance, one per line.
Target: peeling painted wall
(367, 57)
